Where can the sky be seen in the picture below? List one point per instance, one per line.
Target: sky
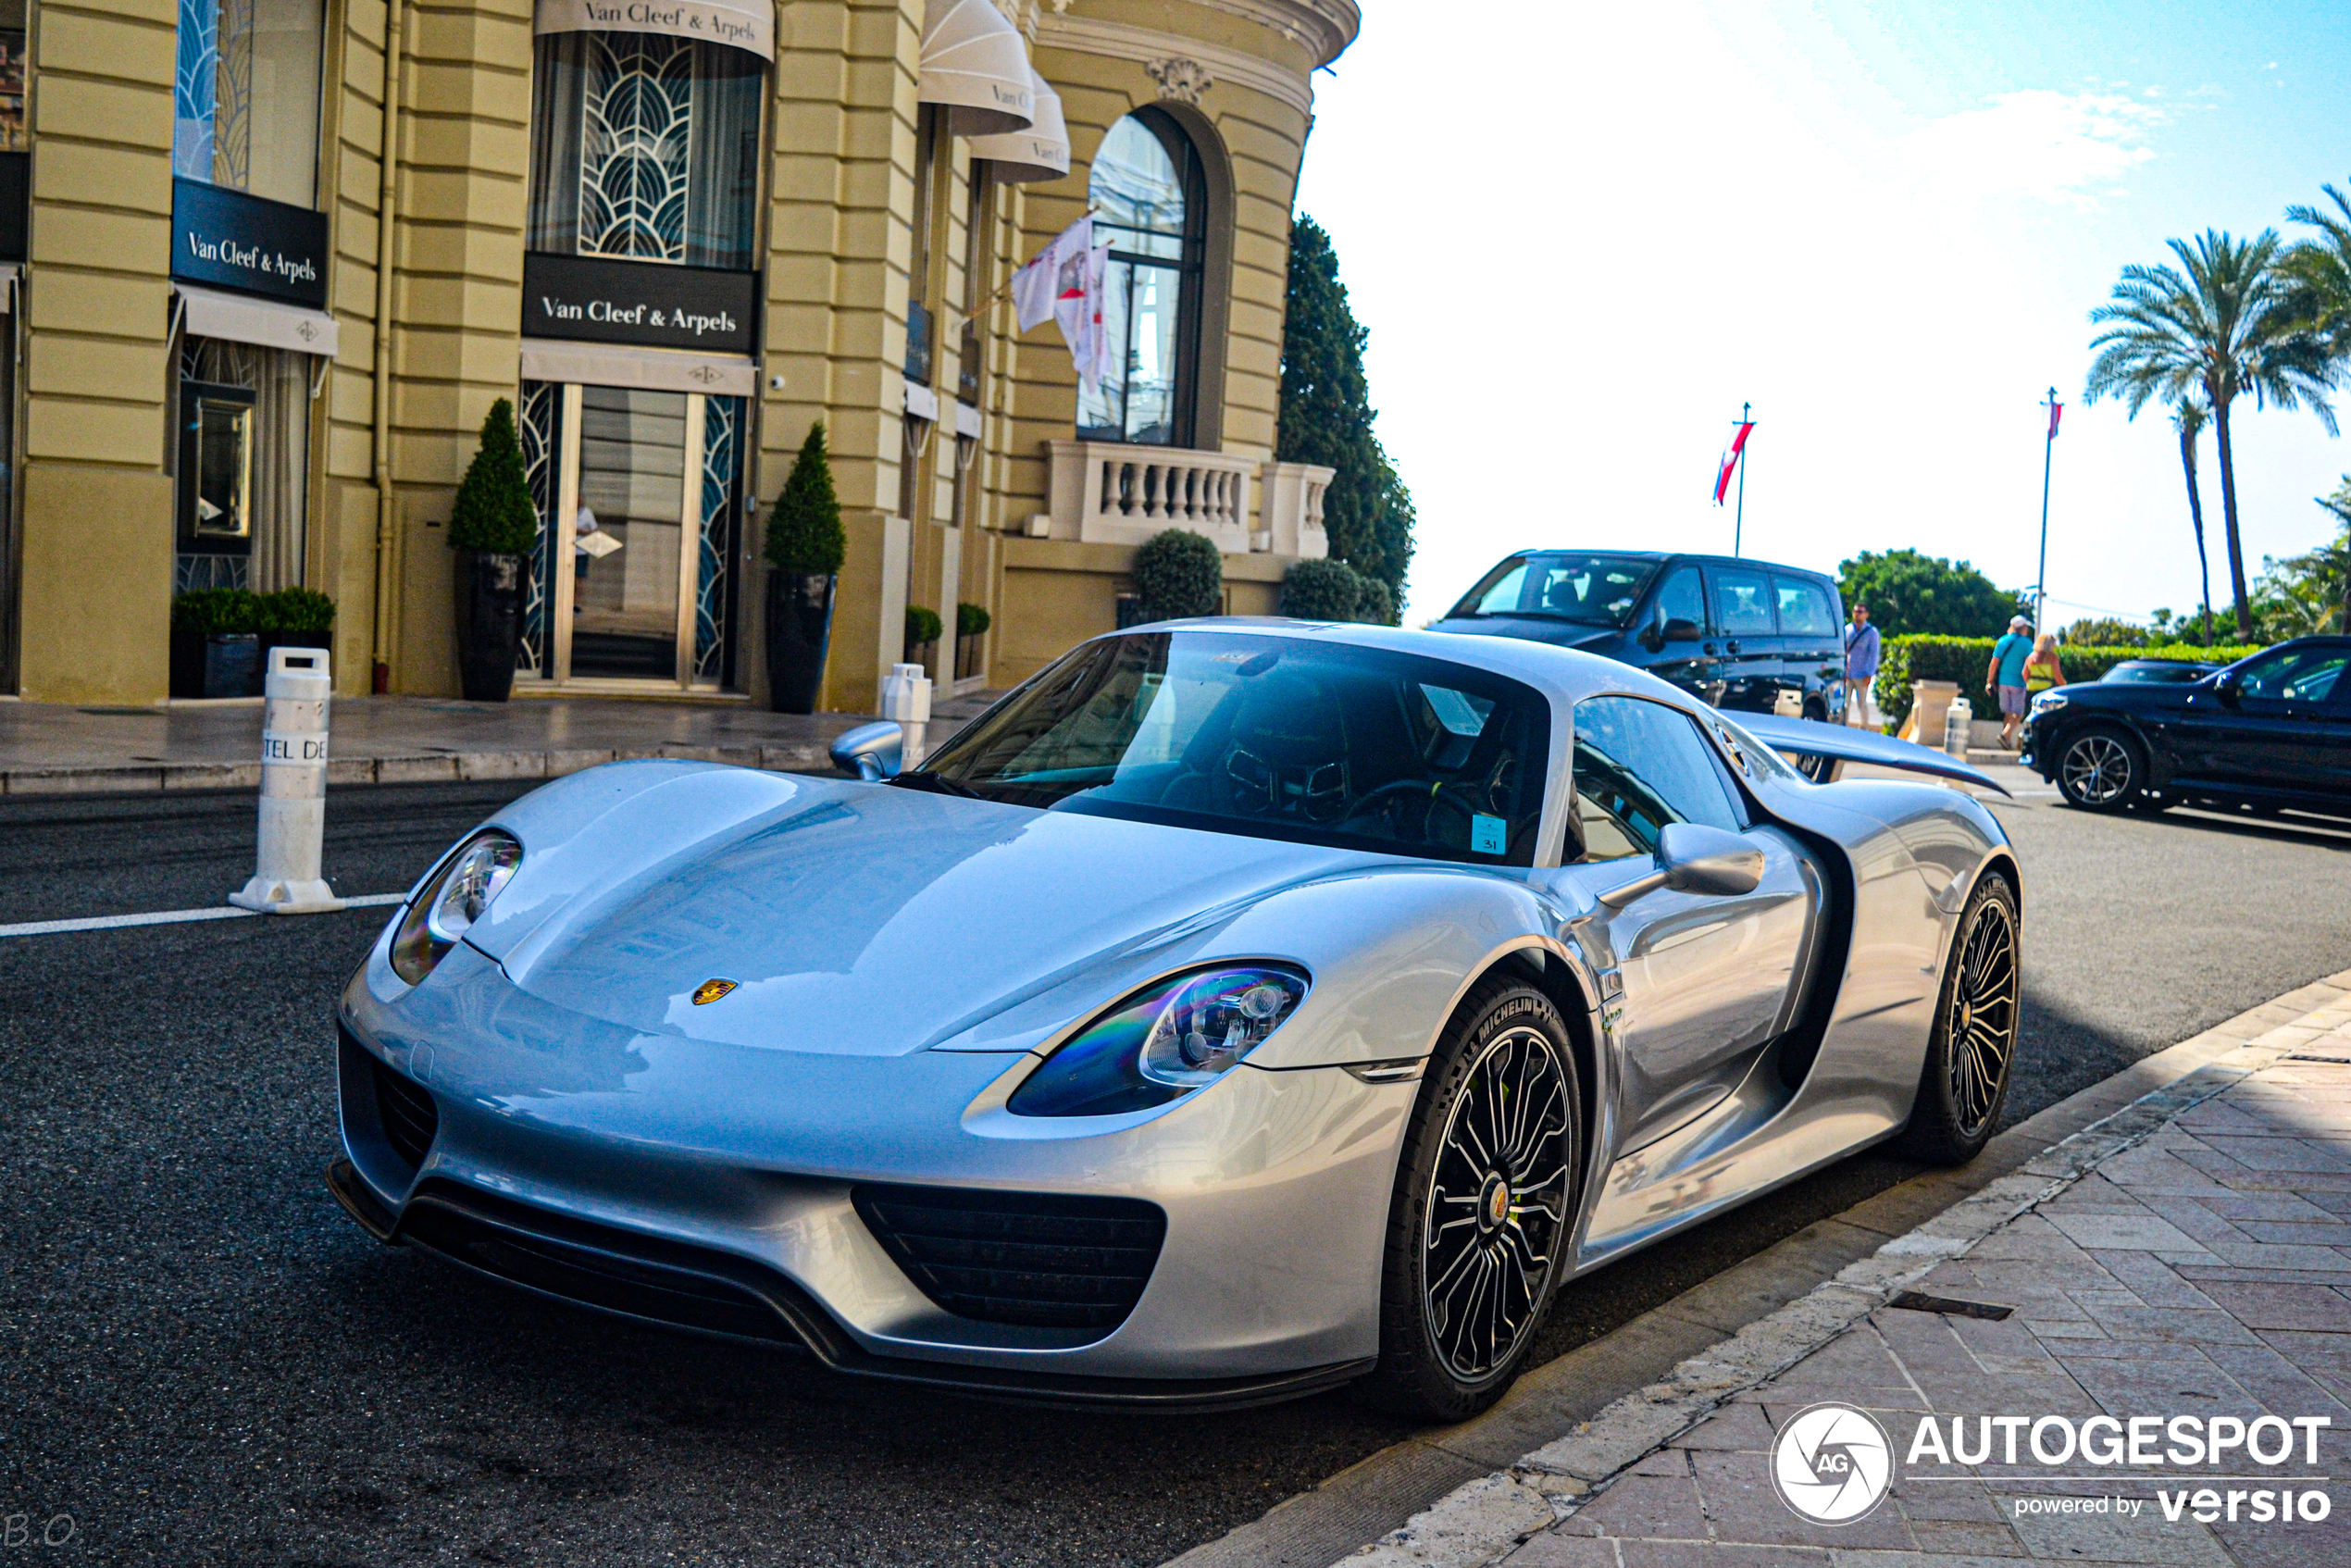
(1581, 237)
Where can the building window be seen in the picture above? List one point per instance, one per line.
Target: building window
(242, 465)
(645, 147)
(245, 96)
(1148, 195)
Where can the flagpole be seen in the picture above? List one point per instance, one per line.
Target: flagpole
(1738, 520)
(2041, 574)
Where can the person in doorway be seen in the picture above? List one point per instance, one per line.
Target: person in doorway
(1861, 666)
(2041, 671)
(2006, 675)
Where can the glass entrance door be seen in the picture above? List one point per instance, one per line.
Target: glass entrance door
(637, 495)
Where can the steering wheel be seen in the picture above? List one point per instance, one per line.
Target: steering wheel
(1392, 804)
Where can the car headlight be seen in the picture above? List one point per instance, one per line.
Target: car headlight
(438, 917)
(2048, 702)
(1174, 1036)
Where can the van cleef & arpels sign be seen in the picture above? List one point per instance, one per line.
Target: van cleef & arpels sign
(591, 299)
(230, 240)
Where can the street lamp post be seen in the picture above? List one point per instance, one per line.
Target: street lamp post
(2041, 574)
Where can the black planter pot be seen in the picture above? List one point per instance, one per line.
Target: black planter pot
(800, 625)
(489, 623)
(223, 664)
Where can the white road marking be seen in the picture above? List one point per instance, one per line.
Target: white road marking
(170, 917)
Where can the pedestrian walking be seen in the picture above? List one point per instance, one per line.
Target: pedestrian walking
(1860, 666)
(2043, 671)
(2006, 675)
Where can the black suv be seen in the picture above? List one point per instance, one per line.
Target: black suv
(2272, 731)
(1735, 632)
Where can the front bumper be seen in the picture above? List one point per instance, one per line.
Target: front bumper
(709, 1187)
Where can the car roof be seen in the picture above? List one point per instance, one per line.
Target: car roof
(1561, 673)
(1750, 562)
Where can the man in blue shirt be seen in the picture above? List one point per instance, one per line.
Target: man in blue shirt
(1861, 666)
(2005, 675)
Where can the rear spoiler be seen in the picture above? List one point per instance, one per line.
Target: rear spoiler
(1823, 746)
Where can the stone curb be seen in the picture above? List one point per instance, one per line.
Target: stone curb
(1484, 1520)
(431, 766)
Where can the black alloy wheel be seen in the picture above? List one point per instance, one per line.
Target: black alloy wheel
(2101, 769)
(1969, 1057)
(1483, 1206)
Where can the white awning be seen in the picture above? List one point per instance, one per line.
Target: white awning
(742, 24)
(653, 370)
(241, 318)
(975, 62)
(1041, 152)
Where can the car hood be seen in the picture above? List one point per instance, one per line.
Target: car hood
(873, 920)
(1579, 635)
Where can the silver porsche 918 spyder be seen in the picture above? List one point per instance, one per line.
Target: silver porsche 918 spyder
(1235, 1009)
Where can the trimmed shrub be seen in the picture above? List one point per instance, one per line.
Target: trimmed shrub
(1322, 591)
(971, 620)
(1377, 606)
(923, 625)
(294, 609)
(1177, 574)
(493, 512)
(1964, 659)
(804, 533)
(217, 610)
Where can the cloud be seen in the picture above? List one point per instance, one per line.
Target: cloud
(2065, 149)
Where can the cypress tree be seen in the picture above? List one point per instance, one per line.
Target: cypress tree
(1327, 415)
(493, 511)
(804, 532)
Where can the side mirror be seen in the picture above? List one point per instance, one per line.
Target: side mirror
(1693, 858)
(1681, 632)
(870, 751)
(2229, 687)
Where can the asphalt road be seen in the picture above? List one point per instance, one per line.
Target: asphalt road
(203, 1361)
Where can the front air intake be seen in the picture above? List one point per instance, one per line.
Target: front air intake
(1038, 1260)
(407, 1114)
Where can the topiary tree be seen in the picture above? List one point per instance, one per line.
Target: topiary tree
(493, 512)
(805, 535)
(1322, 591)
(1179, 573)
(1327, 415)
(972, 619)
(923, 625)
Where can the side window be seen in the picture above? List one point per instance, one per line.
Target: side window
(1638, 766)
(2294, 675)
(1501, 597)
(1742, 604)
(1683, 599)
(1804, 608)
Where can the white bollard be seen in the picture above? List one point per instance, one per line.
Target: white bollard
(293, 788)
(1957, 719)
(906, 699)
(1788, 704)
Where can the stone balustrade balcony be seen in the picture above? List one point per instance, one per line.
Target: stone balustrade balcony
(1101, 493)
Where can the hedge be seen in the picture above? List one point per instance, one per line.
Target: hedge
(1965, 659)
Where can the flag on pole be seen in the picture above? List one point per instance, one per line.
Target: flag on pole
(2056, 408)
(1730, 459)
(1064, 282)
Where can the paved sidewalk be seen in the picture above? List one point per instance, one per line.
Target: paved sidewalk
(2188, 1256)
(47, 749)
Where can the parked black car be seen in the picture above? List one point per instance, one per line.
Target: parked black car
(1735, 632)
(2161, 672)
(2271, 732)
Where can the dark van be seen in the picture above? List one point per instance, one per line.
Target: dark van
(1735, 632)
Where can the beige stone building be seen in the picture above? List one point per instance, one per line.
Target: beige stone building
(250, 350)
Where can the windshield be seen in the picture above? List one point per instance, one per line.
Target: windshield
(1276, 738)
(1563, 585)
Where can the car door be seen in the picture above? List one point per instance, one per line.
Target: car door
(2271, 729)
(1697, 984)
(1689, 662)
(1750, 635)
(1811, 643)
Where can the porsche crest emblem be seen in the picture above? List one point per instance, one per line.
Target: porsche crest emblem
(711, 990)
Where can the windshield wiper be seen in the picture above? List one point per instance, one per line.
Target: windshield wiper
(937, 784)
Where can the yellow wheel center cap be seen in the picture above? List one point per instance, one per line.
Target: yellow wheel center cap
(1498, 1200)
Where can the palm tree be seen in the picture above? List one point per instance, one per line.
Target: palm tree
(2320, 270)
(2227, 323)
(2187, 418)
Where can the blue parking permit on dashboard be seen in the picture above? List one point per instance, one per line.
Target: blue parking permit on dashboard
(1489, 835)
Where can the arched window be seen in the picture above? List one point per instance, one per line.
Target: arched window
(1150, 202)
